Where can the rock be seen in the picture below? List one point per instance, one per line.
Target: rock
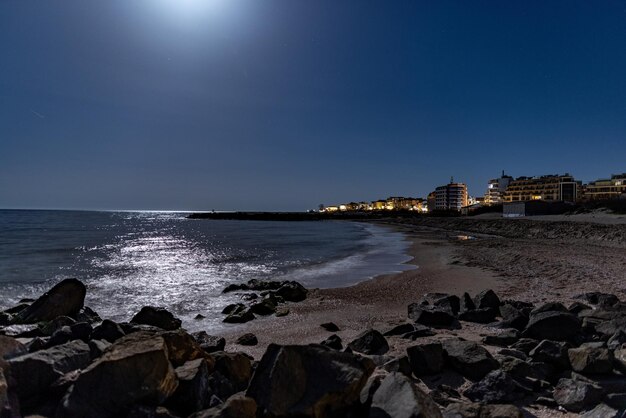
(576, 396)
(610, 327)
(551, 352)
(235, 287)
(98, 347)
(282, 312)
(292, 291)
(308, 381)
(400, 365)
(330, 326)
(468, 358)
(209, 343)
(233, 308)
(500, 411)
(34, 373)
(134, 370)
(398, 397)
(430, 316)
(426, 359)
(451, 303)
(237, 406)
(598, 298)
(445, 395)
(50, 327)
(263, 308)
(553, 325)
(525, 345)
(182, 347)
(60, 336)
(466, 303)
(602, 411)
(481, 316)
(108, 331)
(157, 317)
(192, 393)
(247, 339)
(236, 367)
(523, 372)
(487, 299)
(370, 342)
(66, 298)
(10, 347)
(86, 314)
(513, 317)
(239, 317)
(4, 396)
(617, 340)
(199, 316)
(590, 360)
(504, 339)
(333, 342)
(399, 330)
(496, 387)
(81, 331)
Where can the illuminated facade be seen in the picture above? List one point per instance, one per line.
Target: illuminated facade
(550, 188)
(605, 189)
(496, 189)
(452, 196)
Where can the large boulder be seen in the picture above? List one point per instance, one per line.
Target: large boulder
(308, 381)
(235, 368)
(398, 397)
(576, 395)
(426, 359)
(108, 331)
(10, 347)
(591, 360)
(192, 393)
(552, 325)
(370, 342)
(480, 315)
(333, 341)
(603, 411)
(182, 347)
(496, 387)
(551, 352)
(34, 373)
(134, 370)
(513, 317)
(292, 291)
(430, 316)
(4, 395)
(66, 298)
(209, 343)
(156, 317)
(451, 303)
(469, 358)
(487, 299)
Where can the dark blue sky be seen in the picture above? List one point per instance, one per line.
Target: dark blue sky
(260, 105)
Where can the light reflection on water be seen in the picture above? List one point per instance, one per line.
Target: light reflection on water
(129, 260)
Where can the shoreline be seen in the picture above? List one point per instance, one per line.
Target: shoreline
(379, 302)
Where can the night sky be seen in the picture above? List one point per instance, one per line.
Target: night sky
(283, 105)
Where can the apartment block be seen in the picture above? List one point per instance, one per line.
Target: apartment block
(604, 189)
(550, 188)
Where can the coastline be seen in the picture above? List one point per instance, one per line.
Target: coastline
(379, 302)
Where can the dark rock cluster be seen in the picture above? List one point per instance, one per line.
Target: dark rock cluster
(59, 359)
(266, 302)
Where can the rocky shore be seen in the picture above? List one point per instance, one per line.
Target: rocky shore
(58, 358)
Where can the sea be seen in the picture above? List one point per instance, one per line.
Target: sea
(131, 259)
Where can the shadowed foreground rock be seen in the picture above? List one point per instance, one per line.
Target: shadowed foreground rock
(135, 369)
(157, 317)
(64, 299)
(398, 397)
(308, 381)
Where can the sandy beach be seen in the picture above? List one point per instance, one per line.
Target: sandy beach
(523, 268)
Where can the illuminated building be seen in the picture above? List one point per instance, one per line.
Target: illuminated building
(604, 189)
(452, 196)
(550, 188)
(496, 189)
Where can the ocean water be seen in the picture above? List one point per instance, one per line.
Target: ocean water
(131, 259)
